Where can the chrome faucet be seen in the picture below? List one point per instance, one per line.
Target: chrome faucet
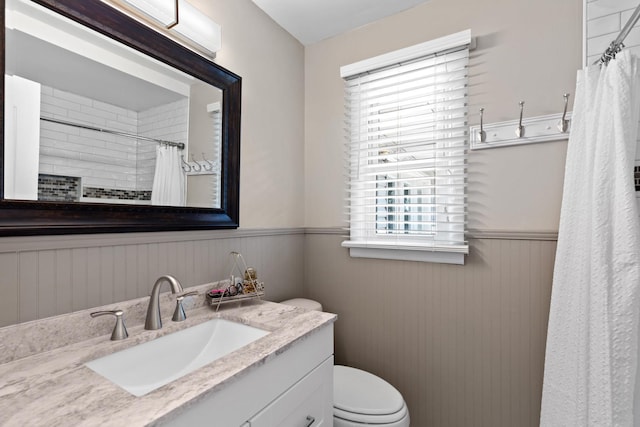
(154, 320)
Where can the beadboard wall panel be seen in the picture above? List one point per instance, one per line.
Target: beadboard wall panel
(463, 344)
(39, 280)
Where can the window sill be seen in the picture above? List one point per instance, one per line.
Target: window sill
(443, 255)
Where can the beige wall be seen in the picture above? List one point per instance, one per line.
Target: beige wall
(527, 50)
(271, 64)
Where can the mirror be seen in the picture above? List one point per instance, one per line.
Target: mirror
(112, 127)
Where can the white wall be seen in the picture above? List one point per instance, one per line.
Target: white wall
(102, 159)
(21, 138)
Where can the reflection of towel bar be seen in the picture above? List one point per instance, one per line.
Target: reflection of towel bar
(180, 145)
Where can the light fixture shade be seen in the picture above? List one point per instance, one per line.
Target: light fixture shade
(163, 12)
(197, 27)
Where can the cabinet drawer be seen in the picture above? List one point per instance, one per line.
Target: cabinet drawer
(309, 402)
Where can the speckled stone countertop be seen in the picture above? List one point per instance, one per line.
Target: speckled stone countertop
(43, 380)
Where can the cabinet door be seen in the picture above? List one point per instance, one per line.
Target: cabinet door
(308, 403)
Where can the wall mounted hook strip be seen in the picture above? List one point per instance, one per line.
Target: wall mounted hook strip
(500, 134)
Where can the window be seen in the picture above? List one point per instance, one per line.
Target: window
(407, 152)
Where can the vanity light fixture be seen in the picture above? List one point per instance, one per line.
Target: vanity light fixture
(181, 19)
(160, 12)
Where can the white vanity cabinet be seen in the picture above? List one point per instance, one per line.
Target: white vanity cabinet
(304, 404)
(293, 388)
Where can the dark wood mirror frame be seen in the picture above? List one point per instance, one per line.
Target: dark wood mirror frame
(20, 218)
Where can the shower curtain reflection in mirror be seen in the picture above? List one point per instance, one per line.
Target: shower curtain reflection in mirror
(168, 181)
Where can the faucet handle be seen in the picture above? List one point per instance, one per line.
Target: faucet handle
(179, 315)
(119, 330)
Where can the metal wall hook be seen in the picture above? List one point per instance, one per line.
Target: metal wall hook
(207, 168)
(185, 166)
(482, 135)
(197, 167)
(563, 126)
(520, 128)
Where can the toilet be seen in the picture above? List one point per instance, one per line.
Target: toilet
(359, 397)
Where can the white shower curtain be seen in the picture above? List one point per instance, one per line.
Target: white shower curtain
(592, 340)
(168, 180)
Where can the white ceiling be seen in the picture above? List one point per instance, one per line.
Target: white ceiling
(311, 21)
(37, 60)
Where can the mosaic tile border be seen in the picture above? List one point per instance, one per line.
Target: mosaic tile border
(112, 193)
(58, 188)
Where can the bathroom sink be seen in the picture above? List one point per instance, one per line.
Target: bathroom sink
(151, 365)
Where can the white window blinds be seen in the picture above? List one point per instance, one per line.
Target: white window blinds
(407, 152)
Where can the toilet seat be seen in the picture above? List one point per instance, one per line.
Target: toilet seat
(360, 397)
(384, 420)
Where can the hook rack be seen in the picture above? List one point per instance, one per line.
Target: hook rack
(551, 127)
(200, 167)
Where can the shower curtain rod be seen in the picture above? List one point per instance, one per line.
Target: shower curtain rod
(180, 145)
(616, 45)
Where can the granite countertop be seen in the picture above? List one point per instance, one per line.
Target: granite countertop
(43, 380)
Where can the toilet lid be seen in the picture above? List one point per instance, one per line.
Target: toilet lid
(304, 303)
(358, 394)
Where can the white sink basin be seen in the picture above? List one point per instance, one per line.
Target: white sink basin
(151, 365)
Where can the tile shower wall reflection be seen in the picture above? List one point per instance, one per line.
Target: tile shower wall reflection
(108, 164)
